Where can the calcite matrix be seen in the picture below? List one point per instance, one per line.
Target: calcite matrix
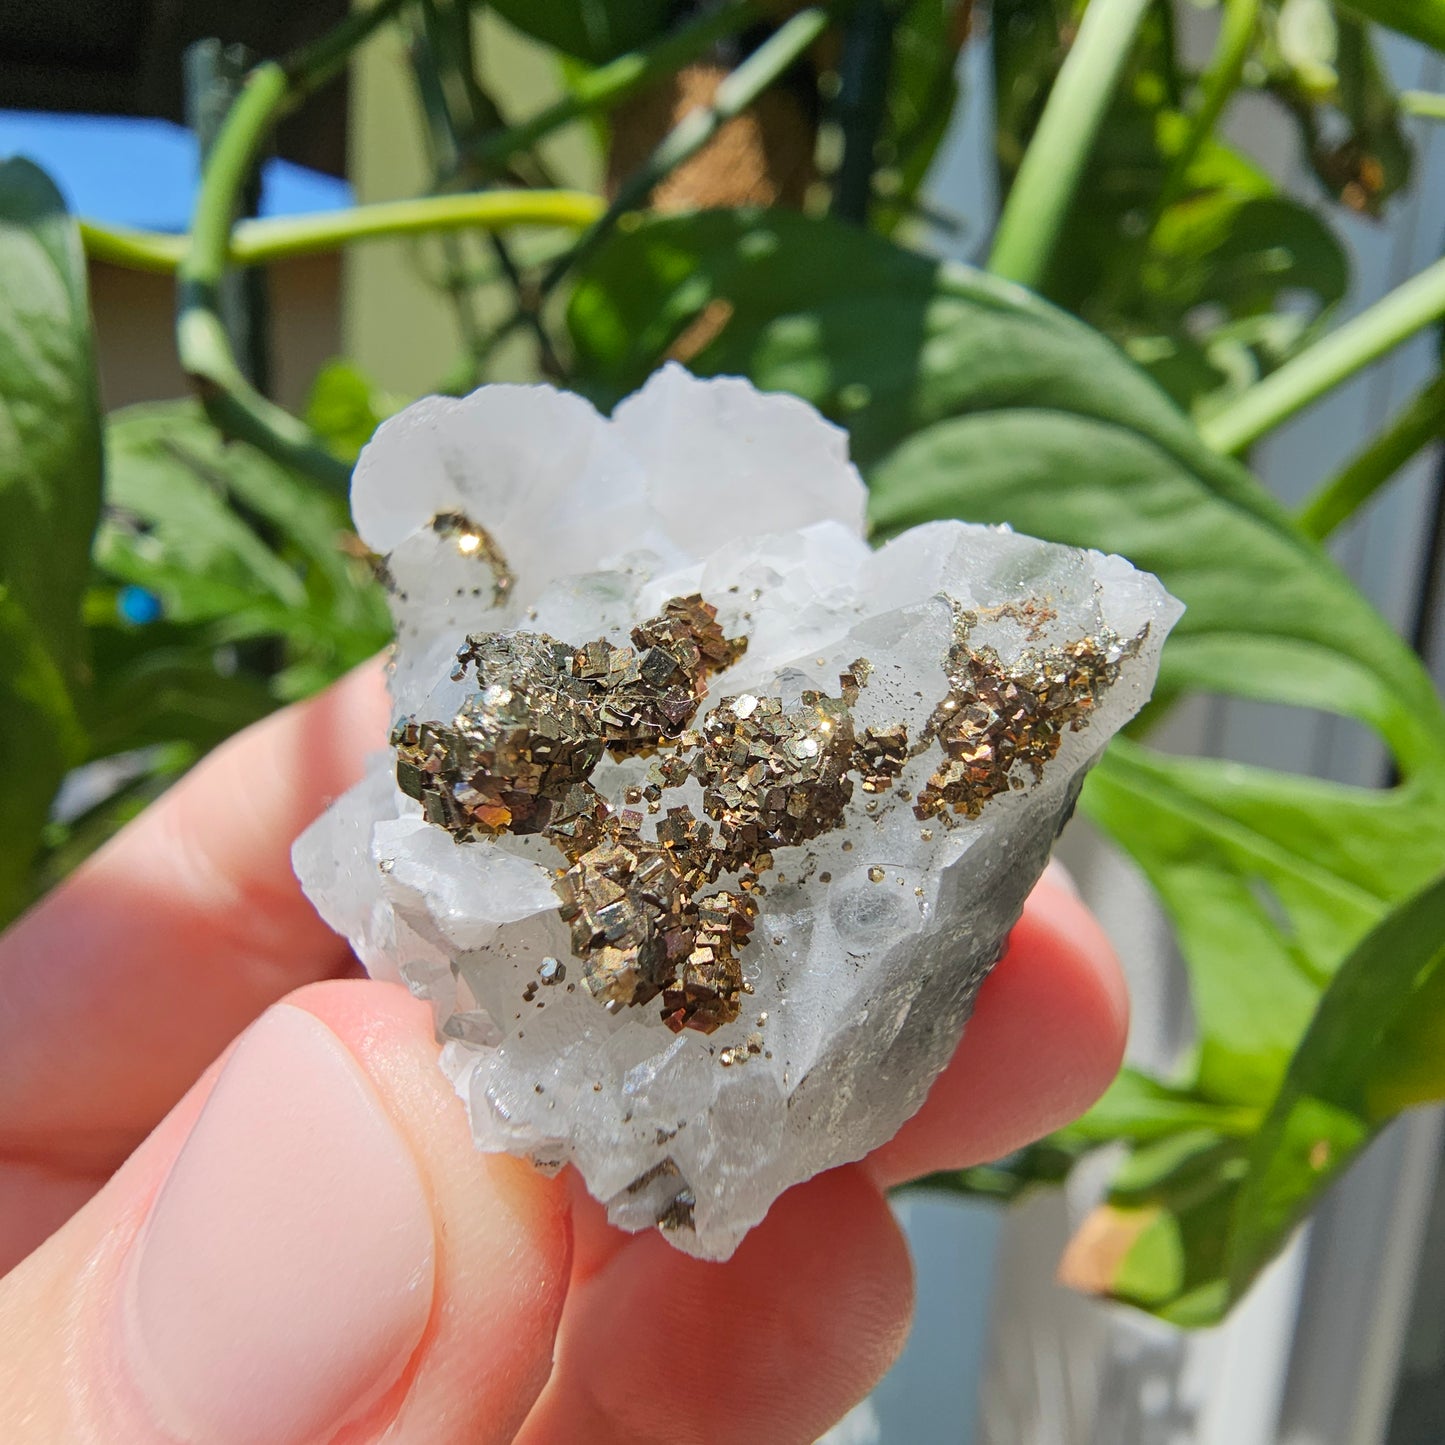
(702, 822)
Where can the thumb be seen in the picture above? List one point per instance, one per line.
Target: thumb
(307, 1245)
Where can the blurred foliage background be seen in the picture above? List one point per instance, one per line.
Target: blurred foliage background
(742, 186)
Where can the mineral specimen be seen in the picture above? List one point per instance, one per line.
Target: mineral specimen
(702, 822)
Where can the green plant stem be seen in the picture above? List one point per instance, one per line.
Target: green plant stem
(135, 250)
(1424, 103)
(461, 113)
(1335, 358)
(1419, 423)
(271, 240)
(204, 348)
(205, 351)
(439, 54)
(612, 83)
(862, 102)
(311, 66)
(1028, 229)
(257, 243)
(736, 93)
(1218, 83)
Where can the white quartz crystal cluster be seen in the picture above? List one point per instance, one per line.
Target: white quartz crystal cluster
(870, 941)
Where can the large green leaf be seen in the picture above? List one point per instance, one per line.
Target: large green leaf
(50, 470)
(1372, 1049)
(967, 397)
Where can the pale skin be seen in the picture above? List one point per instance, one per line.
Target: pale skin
(155, 1169)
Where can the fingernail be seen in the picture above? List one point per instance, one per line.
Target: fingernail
(284, 1276)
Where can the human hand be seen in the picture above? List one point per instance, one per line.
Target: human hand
(296, 1242)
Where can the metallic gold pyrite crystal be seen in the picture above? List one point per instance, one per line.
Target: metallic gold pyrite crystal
(520, 754)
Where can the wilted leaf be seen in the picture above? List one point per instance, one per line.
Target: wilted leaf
(1173, 239)
(1351, 130)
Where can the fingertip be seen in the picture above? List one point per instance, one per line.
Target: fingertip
(776, 1343)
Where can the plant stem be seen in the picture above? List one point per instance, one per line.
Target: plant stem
(1423, 103)
(152, 251)
(612, 83)
(1028, 229)
(1308, 376)
(1218, 83)
(462, 113)
(232, 403)
(1419, 423)
(257, 243)
(867, 60)
(311, 66)
(736, 93)
(447, 103)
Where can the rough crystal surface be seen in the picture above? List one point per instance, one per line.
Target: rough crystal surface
(881, 775)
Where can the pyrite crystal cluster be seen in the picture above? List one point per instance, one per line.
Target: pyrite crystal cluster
(702, 822)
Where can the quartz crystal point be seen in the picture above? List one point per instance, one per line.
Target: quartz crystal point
(702, 821)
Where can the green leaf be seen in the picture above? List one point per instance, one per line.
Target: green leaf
(50, 470)
(344, 408)
(167, 683)
(967, 397)
(1173, 236)
(1372, 1049)
(170, 521)
(237, 549)
(592, 30)
(1161, 1239)
(1424, 20)
(1271, 880)
(1143, 1109)
(40, 738)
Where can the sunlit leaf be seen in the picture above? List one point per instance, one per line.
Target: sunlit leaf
(344, 408)
(1372, 1049)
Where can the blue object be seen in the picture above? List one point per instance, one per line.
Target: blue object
(133, 171)
(137, 606)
